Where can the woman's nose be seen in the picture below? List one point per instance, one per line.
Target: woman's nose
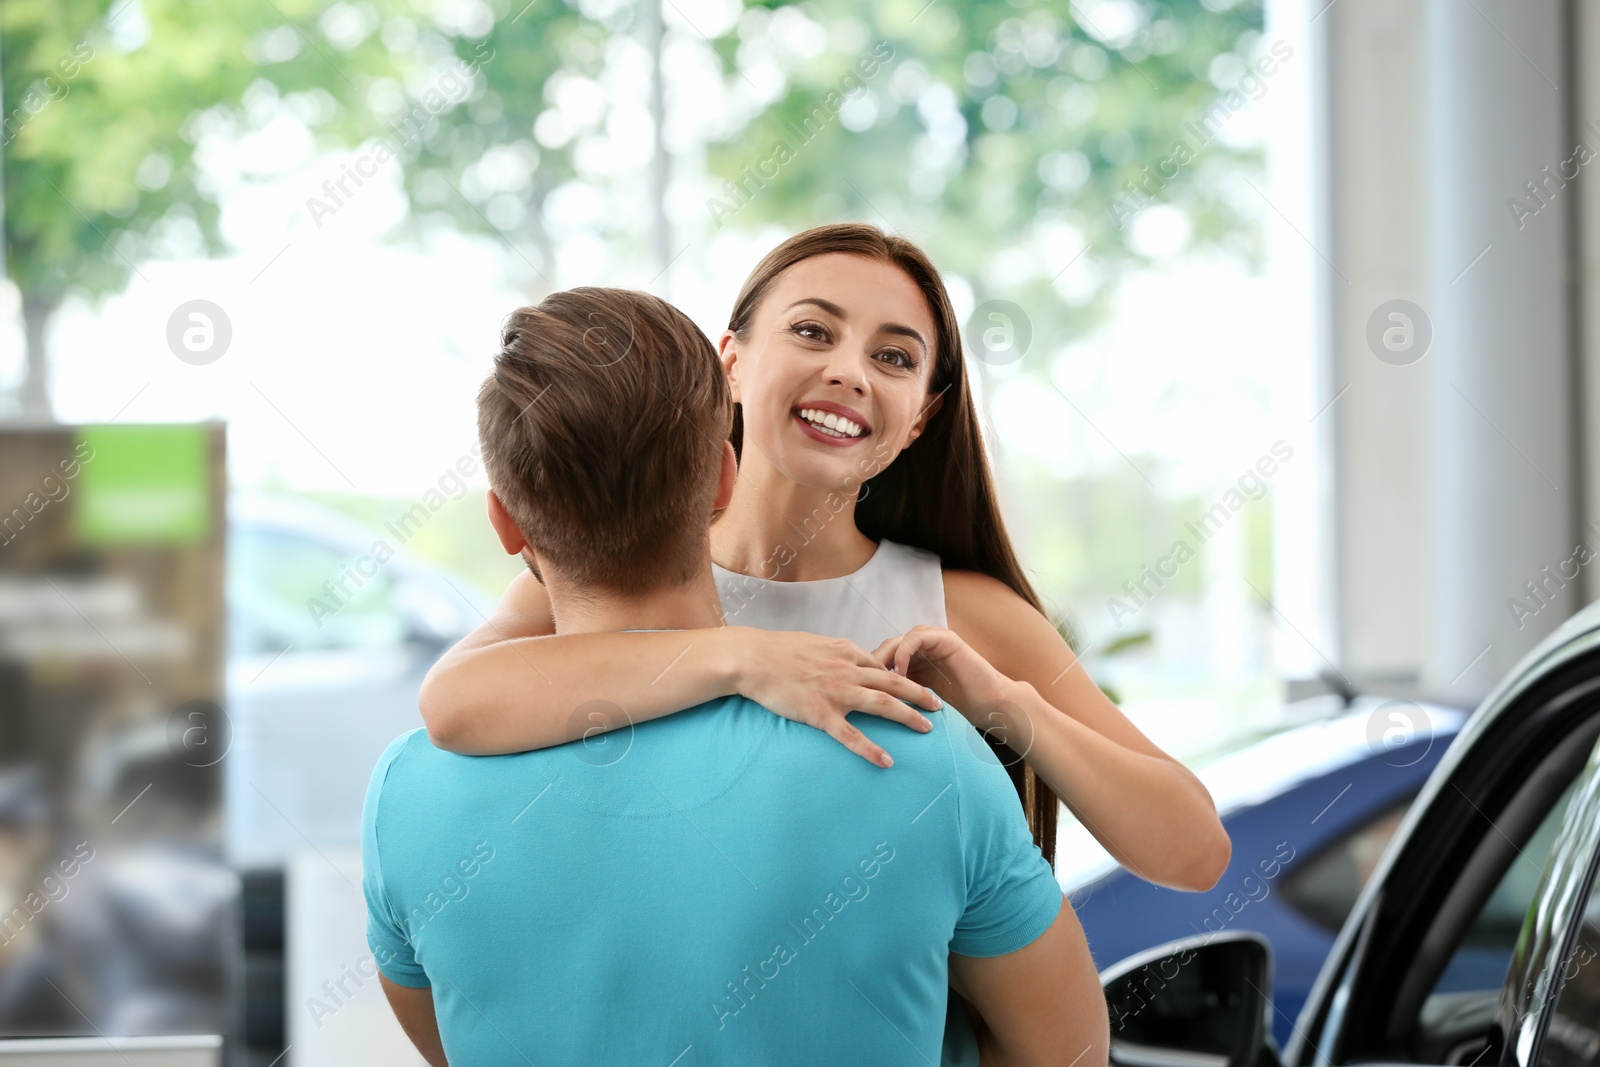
(846, 372)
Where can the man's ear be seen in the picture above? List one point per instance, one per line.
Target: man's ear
(928, 412)
(505, 527)
(726, 478)
(728, 352)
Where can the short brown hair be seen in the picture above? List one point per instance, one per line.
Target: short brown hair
(602, 427)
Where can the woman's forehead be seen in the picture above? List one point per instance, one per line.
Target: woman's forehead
(863, 287)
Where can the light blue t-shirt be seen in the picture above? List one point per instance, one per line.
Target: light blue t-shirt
(719, 886)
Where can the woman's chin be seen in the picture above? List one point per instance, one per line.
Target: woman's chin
(826, 467)
(831, 471)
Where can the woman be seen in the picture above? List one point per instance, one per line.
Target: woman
(864, 509)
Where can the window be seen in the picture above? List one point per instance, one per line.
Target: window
(1573, 1037)
(1325, 889)
(1483, 955)
(1444, 1006)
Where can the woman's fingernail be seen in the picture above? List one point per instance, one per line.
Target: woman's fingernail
(925, 724)
(937, 703)
(888, 760)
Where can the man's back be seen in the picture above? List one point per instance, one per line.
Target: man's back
(718, 886)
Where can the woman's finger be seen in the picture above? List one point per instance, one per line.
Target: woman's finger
(863, 658)
(898, 685)
(877, 702)
(910, 643)
(843, 648)
(847, 735)
(883, 655)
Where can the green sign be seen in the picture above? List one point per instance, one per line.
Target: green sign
(144, 485)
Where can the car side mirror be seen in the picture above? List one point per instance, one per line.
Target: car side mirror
(1199, 1002)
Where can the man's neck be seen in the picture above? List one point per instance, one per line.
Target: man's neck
(692, 606)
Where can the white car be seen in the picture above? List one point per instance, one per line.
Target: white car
(327, 646)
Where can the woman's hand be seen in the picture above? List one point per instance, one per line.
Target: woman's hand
(819, 680)
(941, 660)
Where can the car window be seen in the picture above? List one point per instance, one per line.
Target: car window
(1326, 887)
(1483, 955)
(1428, 971)
(1573, 1036)
(1453, 1020)
(1443, 1010)
(286, 590)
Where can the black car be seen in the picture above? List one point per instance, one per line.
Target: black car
(1496, 859)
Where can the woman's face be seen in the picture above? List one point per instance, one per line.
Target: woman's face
(833, 375)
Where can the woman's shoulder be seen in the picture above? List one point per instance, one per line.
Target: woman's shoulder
(976, 586)
(977, 602)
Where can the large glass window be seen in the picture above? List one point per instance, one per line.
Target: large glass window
(1112, 190)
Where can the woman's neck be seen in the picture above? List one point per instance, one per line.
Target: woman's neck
(776, 529)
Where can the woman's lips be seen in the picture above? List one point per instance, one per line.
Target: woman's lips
(817, 435)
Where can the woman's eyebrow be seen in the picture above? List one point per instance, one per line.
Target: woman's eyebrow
(904, 331)
(838, 312)
(826, 305)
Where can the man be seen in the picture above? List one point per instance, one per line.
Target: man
(722, 885)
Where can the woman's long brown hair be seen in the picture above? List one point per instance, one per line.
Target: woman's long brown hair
(939, 493)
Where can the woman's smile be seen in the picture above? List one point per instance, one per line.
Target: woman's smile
(830, 423)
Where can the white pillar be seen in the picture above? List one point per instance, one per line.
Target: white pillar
(1501, 380)
(1376, 412)
(1586, 79)
(1457, 467)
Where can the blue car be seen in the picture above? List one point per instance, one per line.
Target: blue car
(1310, 809)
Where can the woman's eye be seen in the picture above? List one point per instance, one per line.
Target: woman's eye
(895, 357)
(809, 330)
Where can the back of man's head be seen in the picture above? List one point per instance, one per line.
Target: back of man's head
(602, 428)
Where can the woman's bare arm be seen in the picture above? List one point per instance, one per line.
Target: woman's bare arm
(513, 684)
(1146, 808)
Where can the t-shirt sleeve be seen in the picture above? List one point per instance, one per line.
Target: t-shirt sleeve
(1012, 895)
(386, 931)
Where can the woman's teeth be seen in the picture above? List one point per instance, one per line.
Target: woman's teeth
(829, 423)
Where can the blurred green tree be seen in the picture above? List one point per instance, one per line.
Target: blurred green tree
(1039, 129)
(106, 105)
(118, 114)
(1017, 143)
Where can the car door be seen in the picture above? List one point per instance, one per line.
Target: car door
(1549, 1012)
(1420, 971)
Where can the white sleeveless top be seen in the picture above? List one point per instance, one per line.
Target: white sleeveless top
(898, 588)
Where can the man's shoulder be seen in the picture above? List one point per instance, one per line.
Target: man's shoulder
(399, 753)
(953, 750)
(403, 749)
(411, 757)
(951, 747)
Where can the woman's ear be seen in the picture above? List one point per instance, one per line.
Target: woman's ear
(728, 352)
(505, 527)
(929, 410)
(727, 477)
